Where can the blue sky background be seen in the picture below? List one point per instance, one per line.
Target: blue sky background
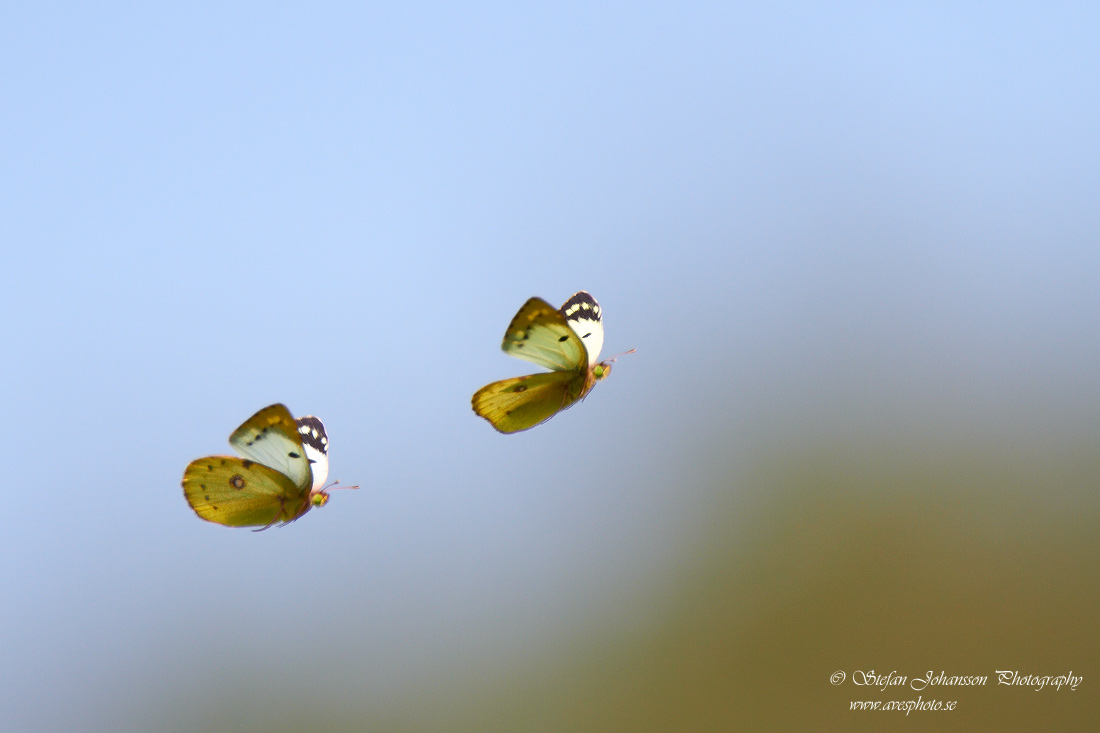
(859, 219)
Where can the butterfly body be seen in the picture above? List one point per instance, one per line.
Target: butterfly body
(568, 341)
(280, 477)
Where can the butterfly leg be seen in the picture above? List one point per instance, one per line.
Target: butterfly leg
(278, 517)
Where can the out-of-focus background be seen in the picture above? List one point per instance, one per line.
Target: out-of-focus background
(856, 248)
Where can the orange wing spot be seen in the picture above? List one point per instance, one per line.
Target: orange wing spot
(237, 482)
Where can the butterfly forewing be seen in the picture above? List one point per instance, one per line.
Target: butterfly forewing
(582, 313)
(271, 437)
(539, 333)
(238, 492)
(315, 441)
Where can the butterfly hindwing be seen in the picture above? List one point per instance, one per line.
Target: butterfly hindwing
(271, 437)
(516, 404)
(540, 333)
(238, 492)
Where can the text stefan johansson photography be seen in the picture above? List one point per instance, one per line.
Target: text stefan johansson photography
(1004, 677)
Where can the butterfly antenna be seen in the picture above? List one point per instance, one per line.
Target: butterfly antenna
(622, 354)
(334, 486)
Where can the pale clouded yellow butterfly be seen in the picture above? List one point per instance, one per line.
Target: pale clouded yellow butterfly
(567, 340)
(281, 477)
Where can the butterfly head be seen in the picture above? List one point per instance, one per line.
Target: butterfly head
(319, 497)
(601, 370)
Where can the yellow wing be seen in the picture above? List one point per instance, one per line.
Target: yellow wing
(539, 333)
(271, 437)
(516, 404)
(238, 492)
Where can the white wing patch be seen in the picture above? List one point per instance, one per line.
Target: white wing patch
(271, 437)
(315, 442)
(583, 315)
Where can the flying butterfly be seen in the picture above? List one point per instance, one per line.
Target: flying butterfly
(567, 340)
(281, 476)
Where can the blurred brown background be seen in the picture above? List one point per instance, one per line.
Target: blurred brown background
(895, 550)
